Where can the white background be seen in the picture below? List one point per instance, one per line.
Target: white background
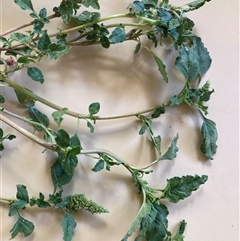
(123, 83)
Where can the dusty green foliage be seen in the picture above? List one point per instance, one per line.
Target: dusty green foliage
(147, 19)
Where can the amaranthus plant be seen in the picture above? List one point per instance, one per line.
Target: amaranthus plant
(158, 22)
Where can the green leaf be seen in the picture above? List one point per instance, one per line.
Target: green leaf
(146, 124)
(59, 175)
(22, 193)
(94, 108)
(25, 60)
(154, 225)
(15, 206)
(157, 143)
(61, 39)
(105, 42)
(109, 162)
(22, 226)
(138, 7)
(90, 126)
(143, 212)
(193, 61)
(93, 3)
(161, 67)
(43, 13)
(86, 17)
(41, 203)
(193, 5)
(204, 59)
(118, 35)
(58, 115)
(164, 15)
(25, 99)
(62, 138)
(171, 153)
(143, 129)
(175, 100)
(75, 142)
(38, 25)
(187, 63)
(10, 137)
(99, 166)
(210, 136)
(63, 204)
(204, 93)
(44, 41)
(2, 138)
(20, 37)
(35, 74)
(179, 188)
(56, 51)
(24, 4)
(1, 146)
(33, 15)
(137, 48)
(4, 40)
(69, 163)
(39, 117)
(68, 225)
(158, 111)
(2, 99)
(179, 235)
(66, 11)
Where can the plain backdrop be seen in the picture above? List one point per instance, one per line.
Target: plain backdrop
(123, 83)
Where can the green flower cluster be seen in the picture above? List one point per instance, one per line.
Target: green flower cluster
(79, 201)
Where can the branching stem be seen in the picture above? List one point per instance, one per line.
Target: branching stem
(47, 145)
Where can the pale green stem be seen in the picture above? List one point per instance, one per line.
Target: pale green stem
(36, 97)
(3, 199)
(108, 153)
(148, 21)
(69, 112)
(25, 25)
(131, 168)
(47, 145)
(30, 122)
(151, 164)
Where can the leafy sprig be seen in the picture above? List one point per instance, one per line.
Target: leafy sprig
(3, 138)
(146, 19)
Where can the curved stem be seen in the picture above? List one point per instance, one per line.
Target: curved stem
(151, 164)
(30, 122)
(47, 145)
(36, 97)
(108, 153)
(26, 25)
(69, 112)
